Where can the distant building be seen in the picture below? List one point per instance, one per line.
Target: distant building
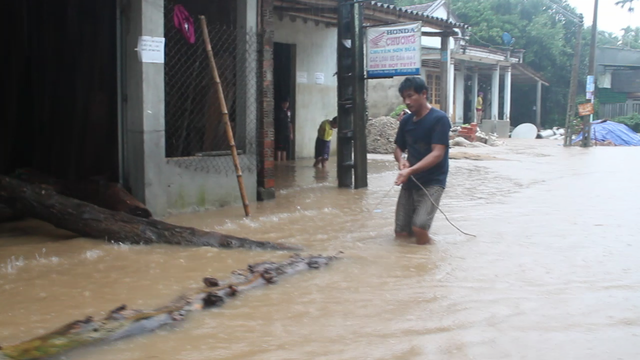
(618, 82)
(474, 68)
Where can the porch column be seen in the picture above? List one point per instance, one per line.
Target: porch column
(143, 110)
(539, 104)
(495, 93)
(459, 114)
(452, 91)
(474, 93)
(445, 59)
(507, 93)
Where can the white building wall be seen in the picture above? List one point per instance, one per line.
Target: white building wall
(434, 42)
(316, 48)
(163, 184)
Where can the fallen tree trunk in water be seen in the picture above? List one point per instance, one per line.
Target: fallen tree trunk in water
(122, 322)
(111, 196)
(43, 203)
(8, 215)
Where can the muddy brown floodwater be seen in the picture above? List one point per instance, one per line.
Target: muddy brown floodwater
(554, 272)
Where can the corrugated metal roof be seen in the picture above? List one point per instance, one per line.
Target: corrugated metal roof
(376, 13)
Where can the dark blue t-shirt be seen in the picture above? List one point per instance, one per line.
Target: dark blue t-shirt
(417, 137)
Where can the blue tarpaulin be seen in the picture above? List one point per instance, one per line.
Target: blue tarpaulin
(619, 134)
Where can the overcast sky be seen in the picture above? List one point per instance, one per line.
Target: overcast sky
(610, 17)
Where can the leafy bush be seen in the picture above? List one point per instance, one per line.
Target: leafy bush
(632, 121)
(397, 111)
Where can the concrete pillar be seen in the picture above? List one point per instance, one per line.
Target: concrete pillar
(459, 114)
(474, 93)
(246, 81)
(507, 93)
(445, 74)
(452, 90)
(495, 93)
(539, 105)
(143, 110)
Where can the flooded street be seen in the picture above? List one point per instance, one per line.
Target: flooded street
(554, 272)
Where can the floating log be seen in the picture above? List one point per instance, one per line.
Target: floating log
(111, 196)
(122, 322)
(87, 220)
(8, 215)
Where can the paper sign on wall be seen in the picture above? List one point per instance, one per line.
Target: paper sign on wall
(151, 49)
(319, 78)
(394, 50)
(301, 77)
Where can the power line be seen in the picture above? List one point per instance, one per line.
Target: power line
(564, 12)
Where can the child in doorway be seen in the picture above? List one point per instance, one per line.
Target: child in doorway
(323, 141)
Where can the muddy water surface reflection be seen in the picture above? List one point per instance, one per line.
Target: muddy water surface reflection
(553, 273)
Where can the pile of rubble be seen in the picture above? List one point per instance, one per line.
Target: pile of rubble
(459, 137)
(381, 134)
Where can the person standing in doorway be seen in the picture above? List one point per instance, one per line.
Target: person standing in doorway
(323, 141)
(283, 130)
(479, 104)
(424, 133)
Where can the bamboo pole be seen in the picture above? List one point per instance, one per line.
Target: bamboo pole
(225, 115)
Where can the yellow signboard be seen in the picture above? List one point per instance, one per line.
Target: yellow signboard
(585, 109)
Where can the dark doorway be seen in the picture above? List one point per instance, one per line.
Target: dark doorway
(60, 112)
(284, 84)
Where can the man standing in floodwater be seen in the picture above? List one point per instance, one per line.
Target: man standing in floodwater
(424, 133)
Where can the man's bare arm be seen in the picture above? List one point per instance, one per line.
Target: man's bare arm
(429, 161)
(402, 163)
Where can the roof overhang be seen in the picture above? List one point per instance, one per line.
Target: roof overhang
(520, 73)
(483, 60)
(375, 13)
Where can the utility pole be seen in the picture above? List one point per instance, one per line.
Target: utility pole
(571, 107)
(346, 96)
(586, 128)
(352, 107)
(360, 105)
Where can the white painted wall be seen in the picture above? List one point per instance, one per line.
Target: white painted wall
(315, 53)
(434, 42)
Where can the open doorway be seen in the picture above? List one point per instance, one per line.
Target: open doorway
(284, 85)
(60, 116)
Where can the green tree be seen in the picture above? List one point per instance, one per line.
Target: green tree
(606, 38)
(624, 3)
(630, 37)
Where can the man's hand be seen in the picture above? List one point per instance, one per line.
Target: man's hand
(403, 164)
(403, 176)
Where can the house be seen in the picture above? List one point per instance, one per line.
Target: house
(475, 69)
(617, 81)
(124, 90)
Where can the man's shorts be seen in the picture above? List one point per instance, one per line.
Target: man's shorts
(416, 209)
(323, 147)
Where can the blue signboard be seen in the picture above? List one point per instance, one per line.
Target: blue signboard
(394, 50)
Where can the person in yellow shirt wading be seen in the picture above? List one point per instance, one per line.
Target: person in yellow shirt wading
(323, 141)
(479, 108)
